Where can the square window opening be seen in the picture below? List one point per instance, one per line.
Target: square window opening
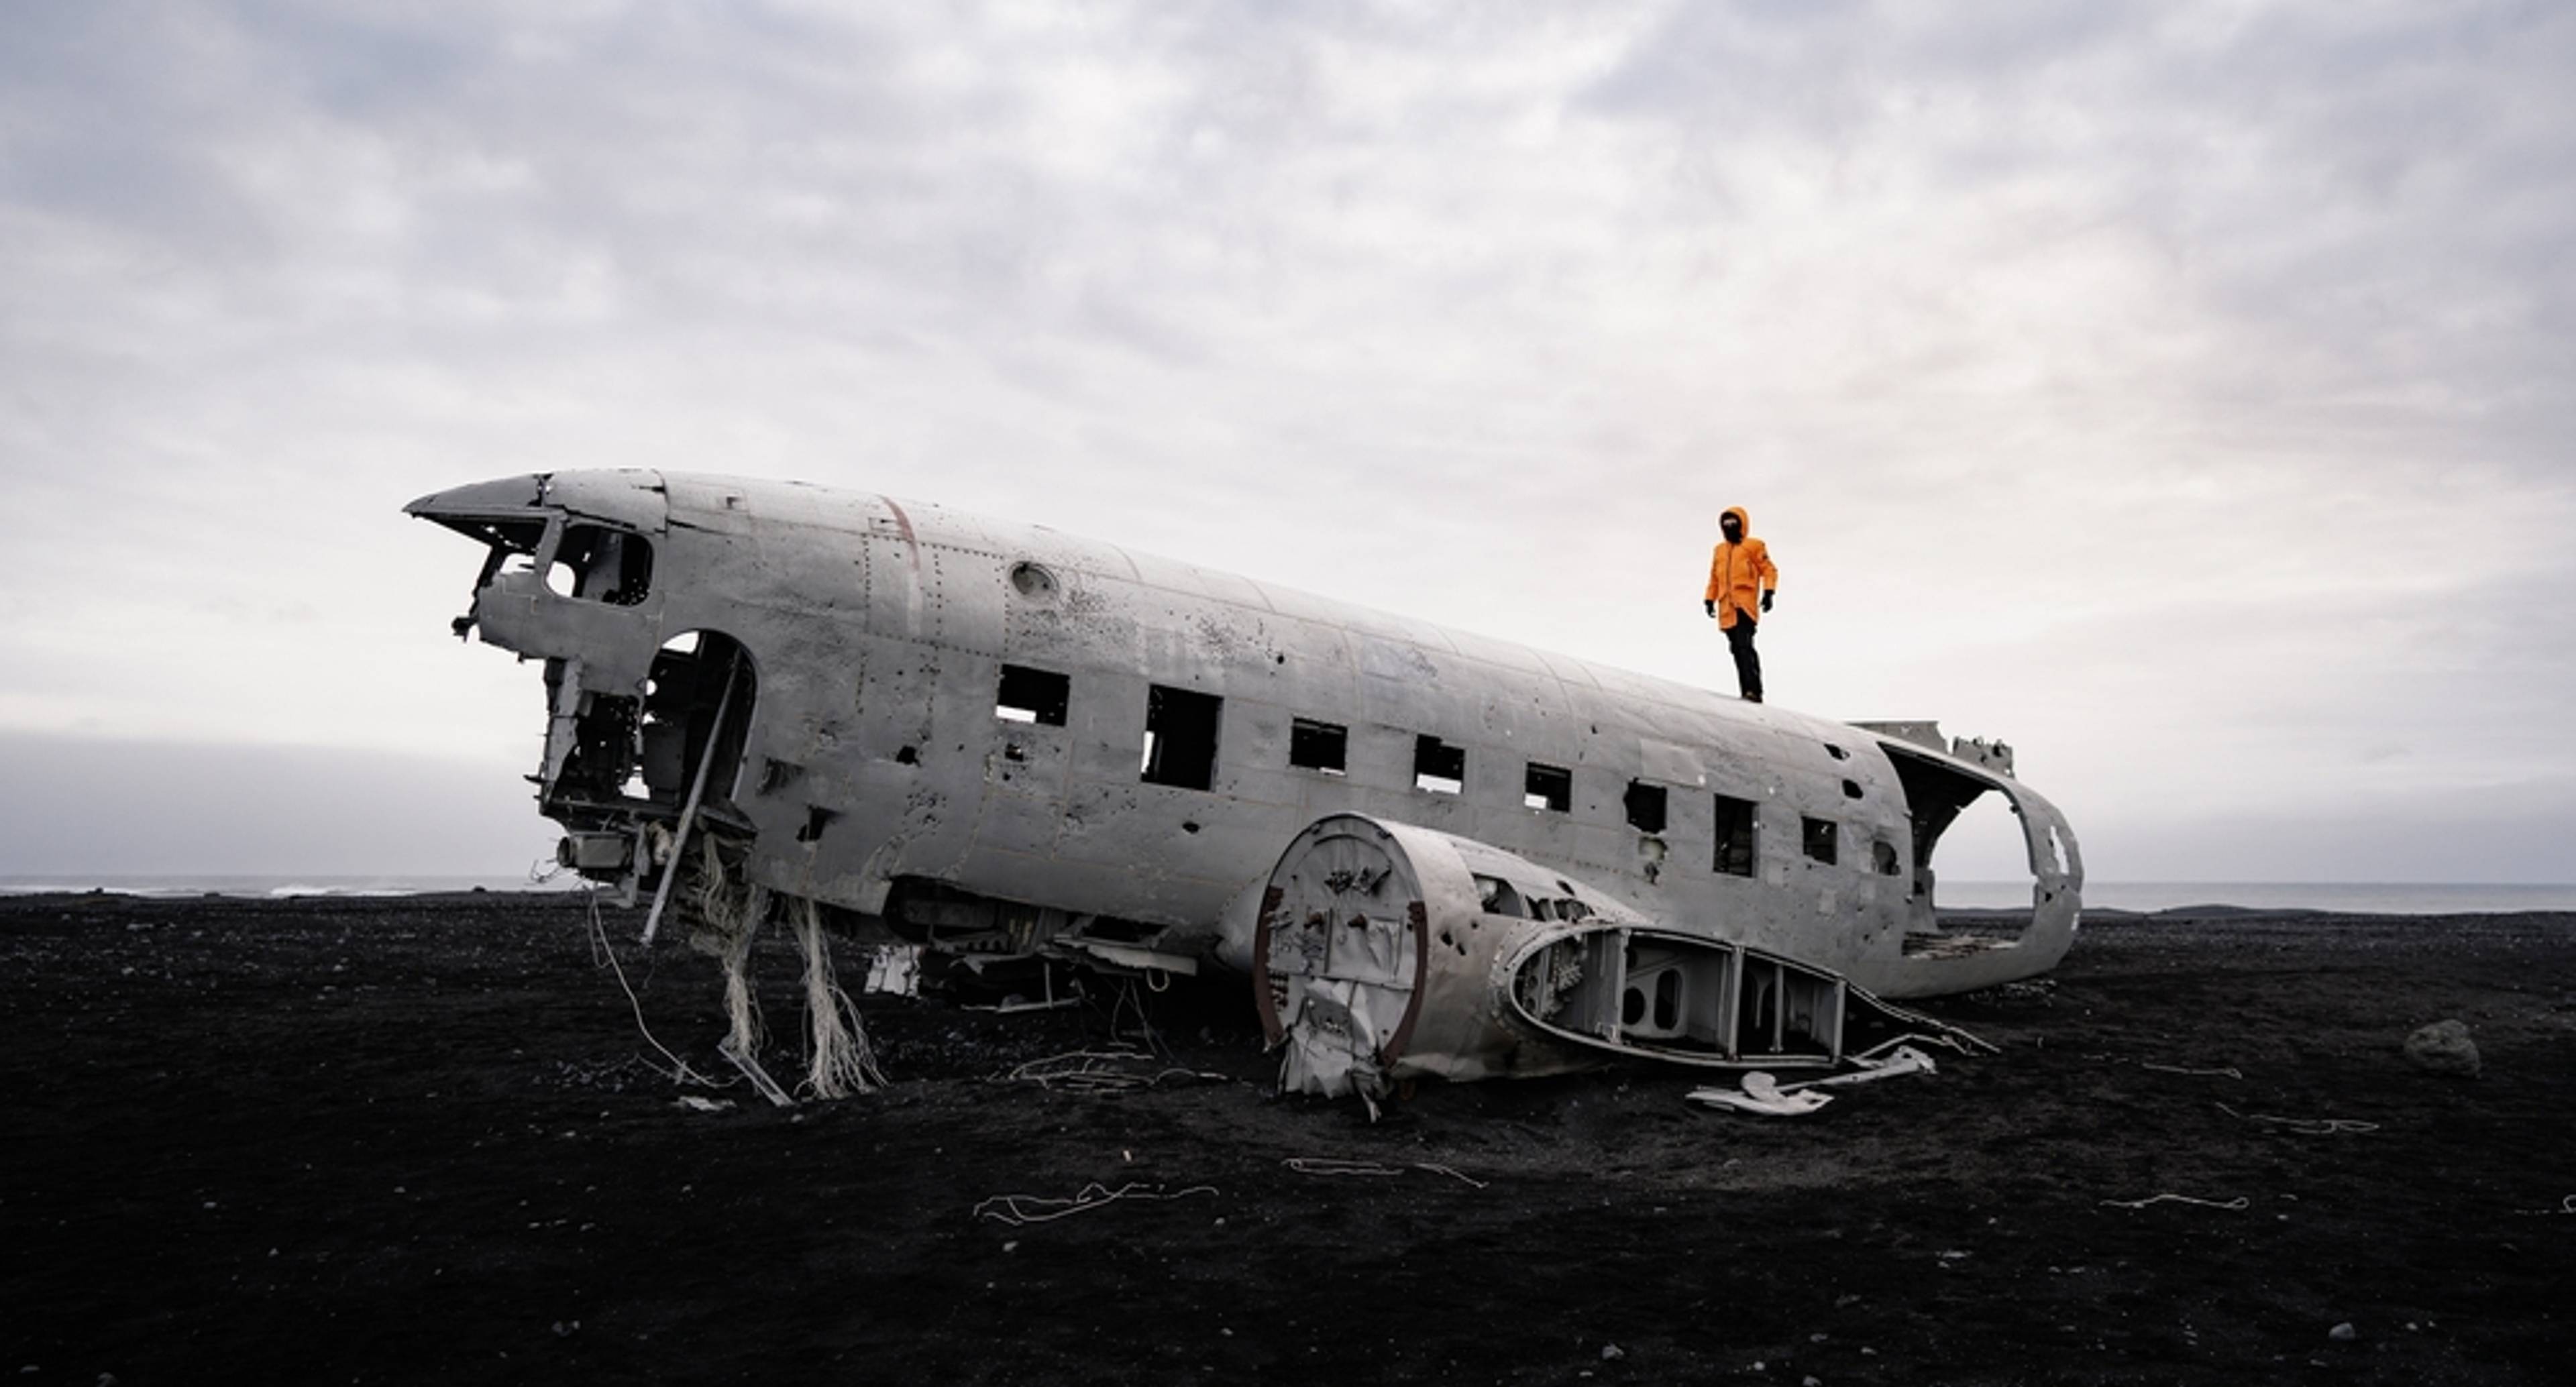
(1645, 807)
(598, 564)
(1820, 839)
(1033, 695)
(1548, 787)
(1734, 855)
(1180, 738)
(1438, 766)
(1319, 746)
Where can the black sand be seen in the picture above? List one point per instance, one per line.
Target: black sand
(412, 1141)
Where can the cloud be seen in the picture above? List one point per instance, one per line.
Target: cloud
(2178, 391)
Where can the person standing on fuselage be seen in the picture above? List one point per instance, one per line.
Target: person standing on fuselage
(1740, 577)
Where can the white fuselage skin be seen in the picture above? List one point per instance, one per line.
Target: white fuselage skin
(877, 631)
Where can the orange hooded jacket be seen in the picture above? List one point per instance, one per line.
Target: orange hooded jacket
(1739, 573)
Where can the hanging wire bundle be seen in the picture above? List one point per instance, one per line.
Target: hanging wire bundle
(841, 1062)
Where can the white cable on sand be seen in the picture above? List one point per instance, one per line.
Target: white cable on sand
(1333, 1165)
(1452, 1174)
(2239, 1202)
(1019, 1210)
(1095, 1071)
(2224, 1071)
(1329, 1165)
(2307, 1126)
(680, 1072)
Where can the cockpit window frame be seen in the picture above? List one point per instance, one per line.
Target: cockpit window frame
(600, 544)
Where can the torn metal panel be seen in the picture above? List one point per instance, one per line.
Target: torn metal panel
(1922, 732)
(1994, 756)
(933, 707)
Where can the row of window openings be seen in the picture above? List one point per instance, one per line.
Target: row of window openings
(612, 566)
(1180, 740)
(1180, 750)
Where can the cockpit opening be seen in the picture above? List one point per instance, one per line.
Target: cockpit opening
(598, 564)
(511, 546)
(1973, 873)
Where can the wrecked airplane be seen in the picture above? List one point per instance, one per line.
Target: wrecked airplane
(1434, 853)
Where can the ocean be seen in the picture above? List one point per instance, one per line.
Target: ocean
(273, 887)
(2341, 897)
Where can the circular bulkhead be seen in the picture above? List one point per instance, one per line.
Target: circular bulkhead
(1338, 955)
(1376, 957)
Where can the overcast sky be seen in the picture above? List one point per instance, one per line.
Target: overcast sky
(2181, 392)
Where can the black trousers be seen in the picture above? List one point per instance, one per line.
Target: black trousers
(1748, 665)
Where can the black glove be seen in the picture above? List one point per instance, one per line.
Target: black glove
(1712, 607)
(1766, 600)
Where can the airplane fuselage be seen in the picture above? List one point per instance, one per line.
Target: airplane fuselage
(931, 697)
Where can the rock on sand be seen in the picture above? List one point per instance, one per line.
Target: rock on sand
(2444, 1047)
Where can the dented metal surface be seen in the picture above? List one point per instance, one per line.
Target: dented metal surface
(998, 734)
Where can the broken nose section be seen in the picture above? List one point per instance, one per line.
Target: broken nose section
(509, 515)
(585, 535)
(468, 508)
(628, 498)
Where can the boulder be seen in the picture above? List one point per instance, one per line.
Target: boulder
(2444, 1047)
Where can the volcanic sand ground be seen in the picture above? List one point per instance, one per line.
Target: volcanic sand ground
(415, 1141)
